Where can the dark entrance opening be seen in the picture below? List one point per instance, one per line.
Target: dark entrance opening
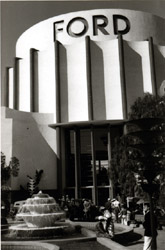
(88, 153)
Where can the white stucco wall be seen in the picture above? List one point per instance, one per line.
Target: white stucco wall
(104, 62)
(143, 25)
(112, 81)
(46, 76)
(6, 138)
(160, 64)
(24, 83)
(28, 137)
(77, 82)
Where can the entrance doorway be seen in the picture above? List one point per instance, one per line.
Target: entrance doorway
(88, 153)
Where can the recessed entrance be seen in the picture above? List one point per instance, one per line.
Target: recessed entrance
(88, 154)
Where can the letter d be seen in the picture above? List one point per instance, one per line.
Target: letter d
(115, 24)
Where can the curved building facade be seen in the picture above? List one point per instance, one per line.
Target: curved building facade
(74, 80)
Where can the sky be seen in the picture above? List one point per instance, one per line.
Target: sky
(17, 16)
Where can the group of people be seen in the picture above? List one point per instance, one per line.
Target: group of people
(120, 212)
(113, 211)
(79, 209)
(84, 209)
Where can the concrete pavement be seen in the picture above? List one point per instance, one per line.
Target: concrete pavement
(134, 240)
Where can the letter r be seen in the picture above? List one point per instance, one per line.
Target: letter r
(100, 27)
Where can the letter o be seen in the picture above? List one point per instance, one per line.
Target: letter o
(81, 19)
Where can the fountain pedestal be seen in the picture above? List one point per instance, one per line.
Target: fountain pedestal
(40, 211)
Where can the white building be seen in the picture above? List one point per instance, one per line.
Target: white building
(74, 79)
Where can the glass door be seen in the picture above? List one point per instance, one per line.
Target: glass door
(102, 167)
(87, 163)
(86, 167)
(70, 163)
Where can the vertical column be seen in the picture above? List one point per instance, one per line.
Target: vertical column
(58, 119)
(34, 99)
(89, 78)
(152, 65)
(16, 84)
(6, 89)
(122, 76)
(109, 160)
(94, 194)
(77, 163)
(57, 80)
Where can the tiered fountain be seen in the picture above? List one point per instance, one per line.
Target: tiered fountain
(40, 213)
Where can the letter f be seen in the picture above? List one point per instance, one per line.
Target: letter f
(56, 29)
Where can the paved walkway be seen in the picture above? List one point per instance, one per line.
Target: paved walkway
(89, 245)
(134, 241)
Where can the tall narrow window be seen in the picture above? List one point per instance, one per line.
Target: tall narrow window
(86, 158)
(70, 159)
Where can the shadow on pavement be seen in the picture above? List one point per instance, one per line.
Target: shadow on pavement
(129, 239)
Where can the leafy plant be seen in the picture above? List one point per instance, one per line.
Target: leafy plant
(7, 170)
(12, 169)
(33, 183)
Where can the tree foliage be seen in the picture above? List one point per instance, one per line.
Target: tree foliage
(125, 160)
(121, 171)
(148, 106)
(151, 106)
(8, 170)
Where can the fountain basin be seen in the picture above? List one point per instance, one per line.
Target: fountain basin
(41, 220)
(27, 245)
(22, 232)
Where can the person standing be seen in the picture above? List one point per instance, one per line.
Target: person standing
(147, 227)
(123, 214)
(108, 205)
(116, 209)
(86, 209)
